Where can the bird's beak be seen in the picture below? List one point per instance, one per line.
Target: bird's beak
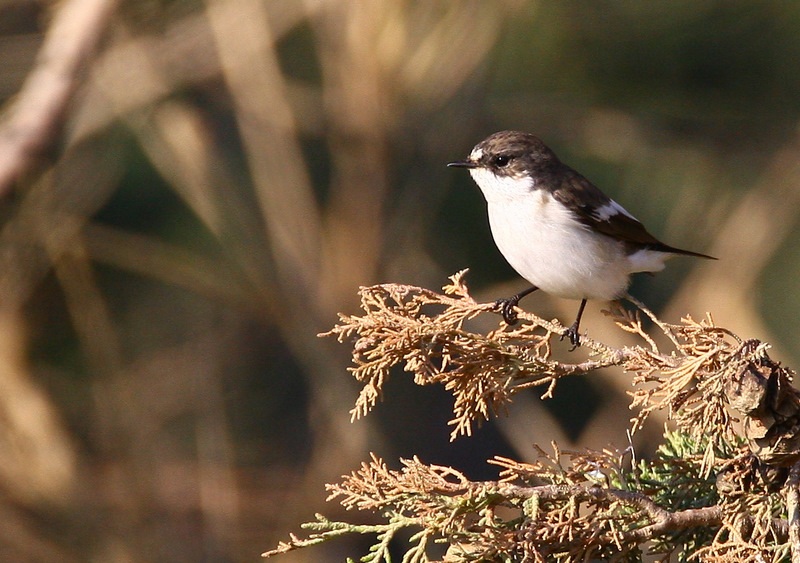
(463, 164)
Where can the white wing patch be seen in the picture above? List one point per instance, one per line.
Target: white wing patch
(609, 210)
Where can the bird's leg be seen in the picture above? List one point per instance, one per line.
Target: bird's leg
(572, 332)
(506, 306)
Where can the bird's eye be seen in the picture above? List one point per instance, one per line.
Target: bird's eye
(501, 160)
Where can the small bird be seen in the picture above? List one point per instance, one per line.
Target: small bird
(556, 228)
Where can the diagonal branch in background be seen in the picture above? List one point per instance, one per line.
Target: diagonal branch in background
(33, 121)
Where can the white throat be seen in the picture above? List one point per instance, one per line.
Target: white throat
(502, 188)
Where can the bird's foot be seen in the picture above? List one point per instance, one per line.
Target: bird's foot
(506, 307)
(572, 334)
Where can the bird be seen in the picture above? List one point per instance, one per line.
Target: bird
(556, 228)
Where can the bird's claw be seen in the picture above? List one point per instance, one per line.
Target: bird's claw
(574, 337)
(506, 308)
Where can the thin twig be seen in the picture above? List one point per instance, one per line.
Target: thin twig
(664, 328)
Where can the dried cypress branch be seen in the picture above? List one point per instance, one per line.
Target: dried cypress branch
(716, 490)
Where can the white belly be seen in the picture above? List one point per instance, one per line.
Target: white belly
(558, 254)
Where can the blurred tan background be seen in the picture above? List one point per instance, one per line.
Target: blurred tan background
(191, 190)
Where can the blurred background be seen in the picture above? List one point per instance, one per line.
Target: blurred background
(209, 182)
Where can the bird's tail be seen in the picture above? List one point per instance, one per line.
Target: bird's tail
(672, 250)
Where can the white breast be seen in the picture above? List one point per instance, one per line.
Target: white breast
(547, 246)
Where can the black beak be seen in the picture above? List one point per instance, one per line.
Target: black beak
(462, 164)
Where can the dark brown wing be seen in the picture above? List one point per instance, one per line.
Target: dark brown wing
(599, 212)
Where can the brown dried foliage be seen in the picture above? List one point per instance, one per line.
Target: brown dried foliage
(717, 489)
(424, 332)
